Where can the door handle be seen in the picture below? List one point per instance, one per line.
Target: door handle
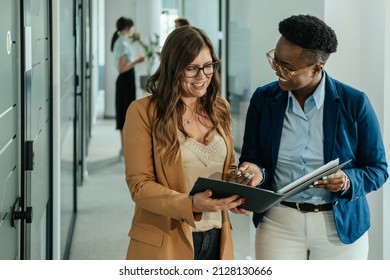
(18, 214)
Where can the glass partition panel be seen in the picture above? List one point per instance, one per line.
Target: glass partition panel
(238, 68)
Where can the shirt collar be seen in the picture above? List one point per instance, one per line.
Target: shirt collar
(318, 95)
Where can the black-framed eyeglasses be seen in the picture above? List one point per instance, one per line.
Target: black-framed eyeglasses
(192, 71)
(286, 73)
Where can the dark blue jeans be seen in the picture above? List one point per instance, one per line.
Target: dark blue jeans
(207, 244)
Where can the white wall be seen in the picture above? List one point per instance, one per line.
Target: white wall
(208, 19)
(359, 61)
(344, 65)
(98, 52)
(266, 15)
(147, 21)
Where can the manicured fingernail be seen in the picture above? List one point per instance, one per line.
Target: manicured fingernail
(325, 177)
(315, 183)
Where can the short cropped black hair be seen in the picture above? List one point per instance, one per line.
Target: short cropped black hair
(310, 33)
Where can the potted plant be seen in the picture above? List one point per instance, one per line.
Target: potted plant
(151, 51)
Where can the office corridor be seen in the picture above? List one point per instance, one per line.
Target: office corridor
(104, 203)
(105, 207)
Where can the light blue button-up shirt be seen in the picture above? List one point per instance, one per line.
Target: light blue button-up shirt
(301, 146)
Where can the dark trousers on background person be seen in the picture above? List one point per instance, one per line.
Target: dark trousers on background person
(125, 93)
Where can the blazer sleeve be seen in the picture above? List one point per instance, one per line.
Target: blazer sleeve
(363, 135)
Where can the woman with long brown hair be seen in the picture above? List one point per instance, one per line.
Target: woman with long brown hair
(178, 133)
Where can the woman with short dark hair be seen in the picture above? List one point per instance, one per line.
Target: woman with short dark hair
(297, 124)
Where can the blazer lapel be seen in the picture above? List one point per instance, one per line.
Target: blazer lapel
(277, 114)
(331, 116)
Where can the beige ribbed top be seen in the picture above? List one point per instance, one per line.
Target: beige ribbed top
(201, 160)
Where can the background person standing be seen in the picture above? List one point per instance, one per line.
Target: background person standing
(181, 22)
(125, 90)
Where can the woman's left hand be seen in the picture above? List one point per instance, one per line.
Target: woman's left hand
(333, 182)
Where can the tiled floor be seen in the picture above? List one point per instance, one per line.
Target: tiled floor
(105, 208)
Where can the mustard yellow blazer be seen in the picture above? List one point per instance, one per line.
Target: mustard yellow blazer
(161, 226)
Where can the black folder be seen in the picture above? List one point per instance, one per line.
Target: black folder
(256, 199)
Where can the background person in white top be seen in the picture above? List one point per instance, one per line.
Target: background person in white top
(125, 90)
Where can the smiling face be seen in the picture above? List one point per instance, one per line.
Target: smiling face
(305, 76)
(197, 86)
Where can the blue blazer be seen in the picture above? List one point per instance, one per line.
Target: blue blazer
(351, 131)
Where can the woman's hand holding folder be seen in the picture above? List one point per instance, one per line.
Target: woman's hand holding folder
(247, 174)
(202, 202)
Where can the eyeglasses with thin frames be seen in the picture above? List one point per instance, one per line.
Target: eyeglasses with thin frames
(286, 73)
(192, 71)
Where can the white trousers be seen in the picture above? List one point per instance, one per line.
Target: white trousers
(288, 234)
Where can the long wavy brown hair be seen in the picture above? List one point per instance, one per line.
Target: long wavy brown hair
(181, 47)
